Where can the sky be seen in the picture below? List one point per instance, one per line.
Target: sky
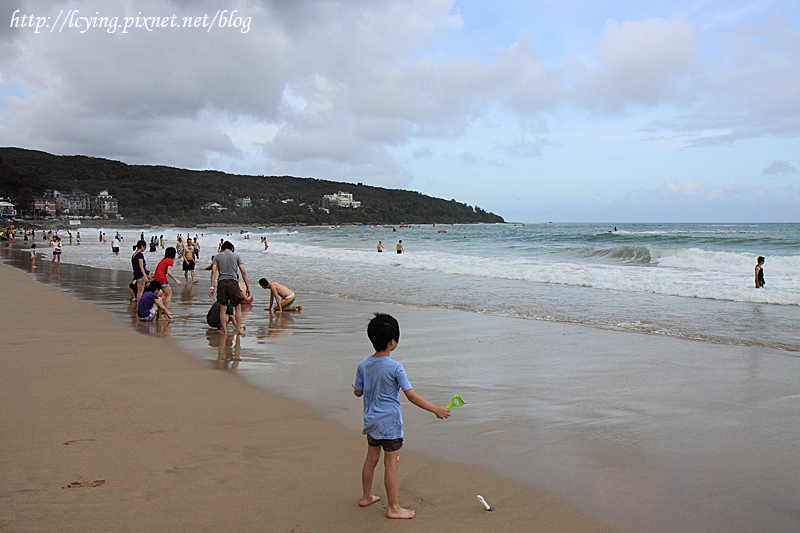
(537, 110)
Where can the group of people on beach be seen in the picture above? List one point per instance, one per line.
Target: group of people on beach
(153, 294)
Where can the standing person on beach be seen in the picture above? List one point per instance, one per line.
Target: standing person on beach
(760, 272)
(56, 250)
(228, 264)
(115, 244)
(380, 246)
(379, 380)
(140, 277)
(399, 247)
(163, 270)
(196, 248)
(188, 260)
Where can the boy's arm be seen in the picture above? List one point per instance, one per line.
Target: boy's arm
(422, 403)
(160, 305)
(273, 293)
(246, 282)
(213, 275)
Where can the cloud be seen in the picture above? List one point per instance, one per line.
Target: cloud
(745, 87)
(524, 147)
(421, 153)
(640, 62)
(779, 167)
(689, 200)
(468, 158)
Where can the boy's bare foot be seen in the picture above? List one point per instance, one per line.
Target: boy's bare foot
(368, 501)
(401, 513)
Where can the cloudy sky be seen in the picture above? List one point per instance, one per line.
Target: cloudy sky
(562, 110)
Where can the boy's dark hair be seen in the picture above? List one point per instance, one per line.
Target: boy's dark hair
(381, 330)
(169, 253)
(263, 282)
(227, 245)
(760, 259)
(154, 286)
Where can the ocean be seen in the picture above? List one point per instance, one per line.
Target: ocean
(692, 281)
(636, 373)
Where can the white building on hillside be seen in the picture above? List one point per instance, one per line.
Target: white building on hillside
(340, 199)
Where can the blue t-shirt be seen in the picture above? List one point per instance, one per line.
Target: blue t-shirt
(381, 379)
(145, 303)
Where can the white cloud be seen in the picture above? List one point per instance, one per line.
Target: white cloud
(640, 62)
(689, 200)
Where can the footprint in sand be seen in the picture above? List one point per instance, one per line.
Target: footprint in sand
(84, 484)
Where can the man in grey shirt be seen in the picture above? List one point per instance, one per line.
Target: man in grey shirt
(228, 263)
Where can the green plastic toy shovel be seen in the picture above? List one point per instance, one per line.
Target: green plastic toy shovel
(456, 401)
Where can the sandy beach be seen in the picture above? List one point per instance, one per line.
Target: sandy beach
(106, 429)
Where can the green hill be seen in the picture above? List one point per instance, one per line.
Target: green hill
(167, 195)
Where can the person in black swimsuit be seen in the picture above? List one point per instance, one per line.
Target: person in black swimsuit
(760, 272)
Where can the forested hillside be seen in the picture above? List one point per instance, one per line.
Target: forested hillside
(166, 195)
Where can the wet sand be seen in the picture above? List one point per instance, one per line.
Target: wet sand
(106, 429)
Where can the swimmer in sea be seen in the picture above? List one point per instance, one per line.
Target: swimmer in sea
(380, 246)
(283, 297)
(399, 247)
(760, 272)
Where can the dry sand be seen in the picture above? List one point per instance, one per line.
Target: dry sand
(106, 429)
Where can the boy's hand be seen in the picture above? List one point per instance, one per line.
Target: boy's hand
(442, 412)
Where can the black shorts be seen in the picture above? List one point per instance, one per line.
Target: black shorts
(188, 265)
(388, 445)
(228, 291)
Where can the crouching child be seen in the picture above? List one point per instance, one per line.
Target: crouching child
(150, 306)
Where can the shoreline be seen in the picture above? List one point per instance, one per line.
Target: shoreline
(107, 429)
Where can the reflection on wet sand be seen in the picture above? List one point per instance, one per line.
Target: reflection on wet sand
(229, 348)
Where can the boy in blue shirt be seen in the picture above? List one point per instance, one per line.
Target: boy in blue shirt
(379, 380)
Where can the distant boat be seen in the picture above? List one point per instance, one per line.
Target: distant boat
(442, 231)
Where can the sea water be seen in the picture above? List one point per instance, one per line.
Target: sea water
(692, 281)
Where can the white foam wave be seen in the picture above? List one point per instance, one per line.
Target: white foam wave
(730, 262)
(680, 272)
(718, 284)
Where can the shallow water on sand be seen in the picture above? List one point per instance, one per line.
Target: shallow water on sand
(651, 433)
